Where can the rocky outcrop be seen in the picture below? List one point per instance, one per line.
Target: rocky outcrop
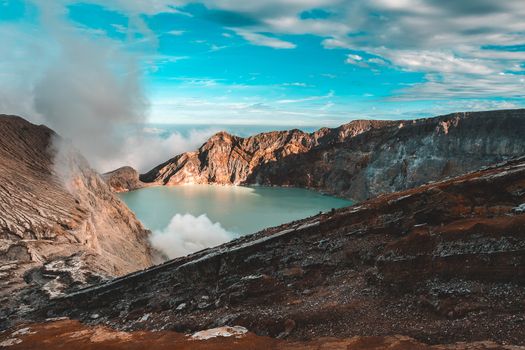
(123, 179)
(441, 263)
(358, 160)
(60, 224)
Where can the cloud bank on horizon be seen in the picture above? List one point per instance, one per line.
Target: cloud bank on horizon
(299, 62)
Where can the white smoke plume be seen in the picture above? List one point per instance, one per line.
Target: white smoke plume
(87, 87)
(186, 234)
(145, 150)
(91, 89)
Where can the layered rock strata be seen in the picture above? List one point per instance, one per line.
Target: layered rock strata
(60, 224)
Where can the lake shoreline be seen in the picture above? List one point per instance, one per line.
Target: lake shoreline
(229, 205)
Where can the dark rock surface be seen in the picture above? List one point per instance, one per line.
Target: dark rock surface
(358, 160)
(440, 263)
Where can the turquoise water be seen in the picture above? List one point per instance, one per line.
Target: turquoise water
(240, 210)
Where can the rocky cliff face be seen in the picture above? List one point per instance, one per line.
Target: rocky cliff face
(440, 263)
(123, 179)
(358, 160)
(60, 225)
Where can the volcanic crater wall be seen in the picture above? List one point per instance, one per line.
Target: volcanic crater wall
(358, 160)
(71, 226)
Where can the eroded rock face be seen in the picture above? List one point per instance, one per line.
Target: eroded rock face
(229, 159)
(440, 263)
(58, 215)
(358, 160)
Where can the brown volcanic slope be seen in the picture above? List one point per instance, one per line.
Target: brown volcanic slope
(65, 334)
(78, 234)
(440, 263)
(358, 160)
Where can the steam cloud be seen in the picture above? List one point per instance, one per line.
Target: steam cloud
(186, 234)
(89, 89)
(91, 92)
(145, 150)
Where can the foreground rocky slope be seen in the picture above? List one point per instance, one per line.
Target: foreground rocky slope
(73, 335)
(358, 160)
(440, 263)
(60, 225)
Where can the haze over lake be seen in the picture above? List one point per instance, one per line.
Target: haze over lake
(240, 210)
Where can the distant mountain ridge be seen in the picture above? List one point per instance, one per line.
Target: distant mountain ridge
(358, 160)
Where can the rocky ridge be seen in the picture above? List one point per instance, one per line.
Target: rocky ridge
(441, 263)
(123, 179)
(60, 224)
(358, 160)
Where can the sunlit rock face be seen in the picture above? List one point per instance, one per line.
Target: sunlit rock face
(358, 160)
(58, 215)
(229, 159)
(123, 179)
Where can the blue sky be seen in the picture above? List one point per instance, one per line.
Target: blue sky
(296, 62)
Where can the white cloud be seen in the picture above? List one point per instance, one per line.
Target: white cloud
(297, 84)
(458, 86)
(146, 149)
(354, 59)
(187, 234)
(291, 24)
(439, 62)
(264, 40)
(305, 99)
(444, 38)
(176, 32)
(332, 43)
(377, 61)
(357, 60)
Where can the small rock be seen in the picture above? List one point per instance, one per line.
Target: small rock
(181, 306)
(10, 342)
(144, 318)
(520, 209)
(23, 331)
(289, 326)
(225, 331)
(203, 305)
